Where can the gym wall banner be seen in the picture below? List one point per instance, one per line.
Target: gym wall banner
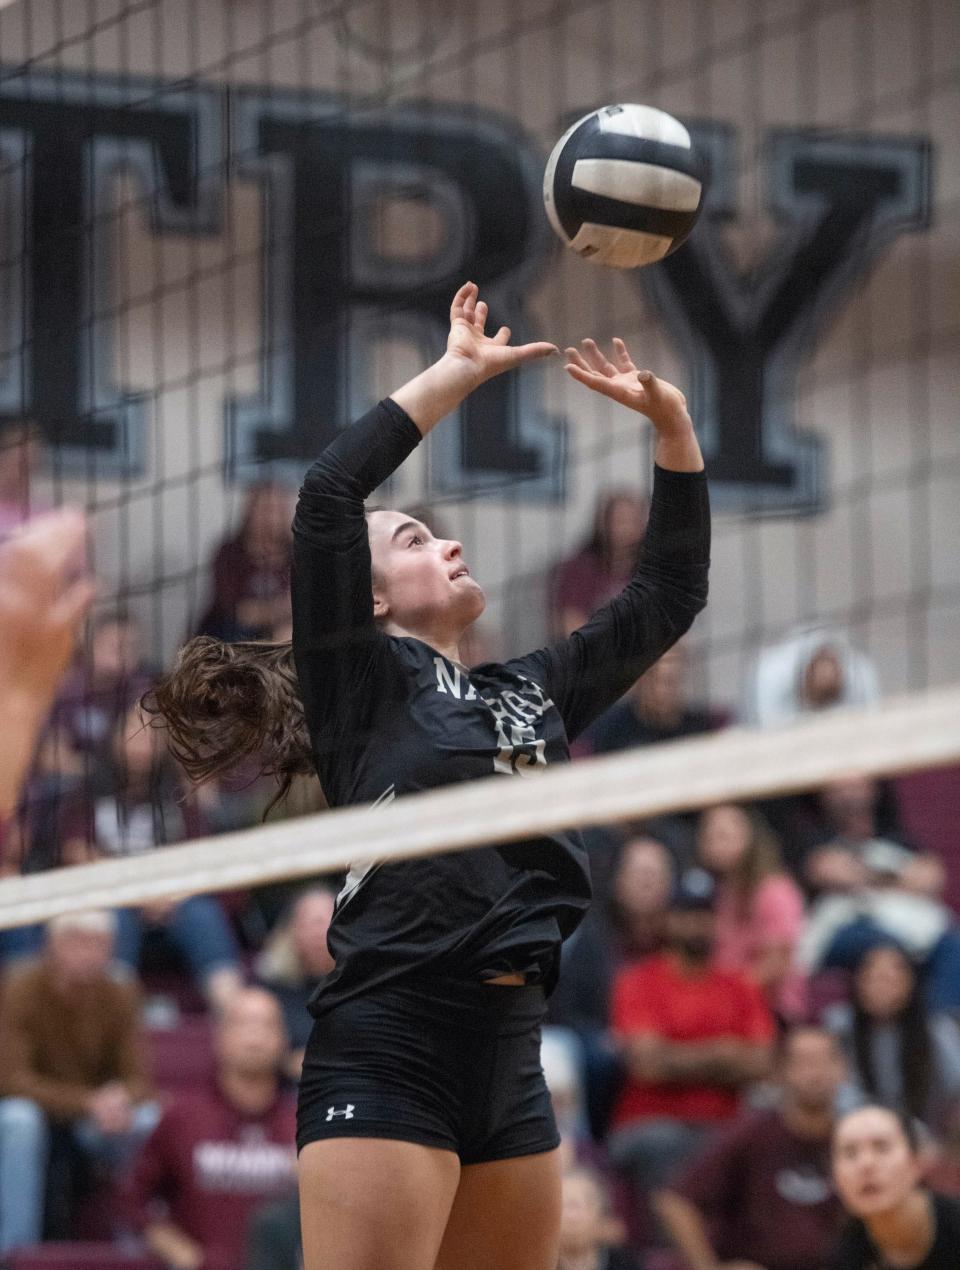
(329, 293)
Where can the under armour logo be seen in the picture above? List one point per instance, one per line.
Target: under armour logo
(347, 1112)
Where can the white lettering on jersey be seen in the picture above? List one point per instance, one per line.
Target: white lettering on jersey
(447, 683)
(254, 1165)
(515, 714)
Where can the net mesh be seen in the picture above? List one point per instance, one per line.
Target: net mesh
(167, 311)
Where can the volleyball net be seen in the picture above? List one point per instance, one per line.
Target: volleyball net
(227, 228)
(736, 766)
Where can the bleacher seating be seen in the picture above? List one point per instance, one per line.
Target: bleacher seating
(181, 1057)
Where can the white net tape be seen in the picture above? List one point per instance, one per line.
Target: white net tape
(901, 735)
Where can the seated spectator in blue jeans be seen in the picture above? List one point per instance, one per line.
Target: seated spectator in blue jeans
(887, 899)
(146, 811)
(69, 1054)
(761, 1193)
(295, 962)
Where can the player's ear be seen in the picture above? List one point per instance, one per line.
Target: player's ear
(381, 609)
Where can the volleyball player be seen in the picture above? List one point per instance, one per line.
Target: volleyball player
(425, 1130)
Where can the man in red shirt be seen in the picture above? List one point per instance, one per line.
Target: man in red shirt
(218, 1153)
(691, 1038)
(761, 1193)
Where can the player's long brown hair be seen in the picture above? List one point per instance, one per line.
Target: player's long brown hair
(223, 703)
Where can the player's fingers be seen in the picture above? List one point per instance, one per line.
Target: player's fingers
(620, 355)
(533, 352)
(596, 359)
(456, 308)
(481, 315)
(502, 336)
(470, 302)
(574, 356)
(591, 379)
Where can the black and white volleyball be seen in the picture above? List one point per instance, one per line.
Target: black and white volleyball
(624, 185)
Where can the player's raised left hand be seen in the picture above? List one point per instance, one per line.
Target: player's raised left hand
(664, 405)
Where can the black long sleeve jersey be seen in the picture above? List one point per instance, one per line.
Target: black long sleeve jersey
(389, 716)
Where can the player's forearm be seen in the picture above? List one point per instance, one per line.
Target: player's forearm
(677, 448)
(685, 1227)
(436, 391)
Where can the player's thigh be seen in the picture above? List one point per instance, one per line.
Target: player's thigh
(506, 1216)
(374, 1204)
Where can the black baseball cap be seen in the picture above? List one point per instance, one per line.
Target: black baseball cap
(694, 889)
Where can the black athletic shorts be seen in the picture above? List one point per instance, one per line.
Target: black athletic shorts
(446, 1063)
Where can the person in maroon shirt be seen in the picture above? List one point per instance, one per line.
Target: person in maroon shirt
(219, 1152)
(761, 1194)
(251, 570)
(603, 565)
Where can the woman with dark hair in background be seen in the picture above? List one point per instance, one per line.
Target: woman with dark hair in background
(425, 1129)
(897, 1223)
(603, 565)
(251, 570)
(899, 1054)
(759, 908)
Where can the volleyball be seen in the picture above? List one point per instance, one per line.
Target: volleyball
(624, 186)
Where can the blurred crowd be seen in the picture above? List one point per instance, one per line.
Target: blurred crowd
(746, 974)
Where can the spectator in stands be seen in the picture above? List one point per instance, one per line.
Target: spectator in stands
(295, 962)
(655, 709)
(814, 669)
(630, 925)
(633, 927)
(70, 1054)
(759, 909)
(603, 565)
(146, 810)
(222, 1151)
(100, 691)
(640, 899)
(900, 1055)
(848, 814)
(251, 570)
(896, 1220)
(822, 832)
(761, 1193)
(590, 1236)
(841, 927)
(692, 1038)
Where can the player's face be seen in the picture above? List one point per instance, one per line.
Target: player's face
(420, 583)
(874, 1166)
